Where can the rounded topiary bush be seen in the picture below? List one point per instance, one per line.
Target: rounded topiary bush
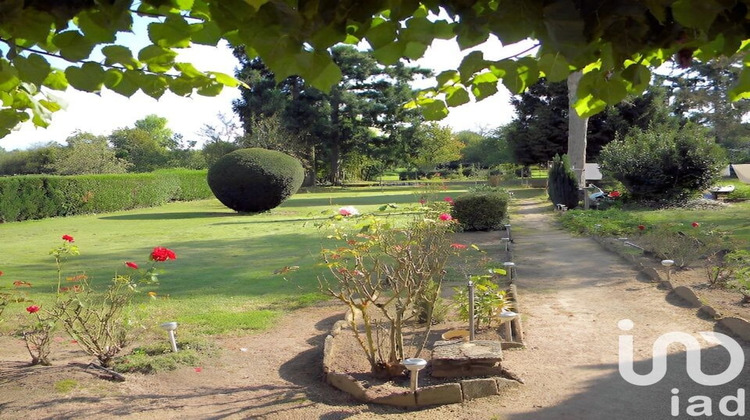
(254, 180)
(481, 210)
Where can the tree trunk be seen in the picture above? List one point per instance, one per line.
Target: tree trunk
(577, 136)
(576, 132)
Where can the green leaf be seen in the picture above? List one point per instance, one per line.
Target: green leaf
(88, 78)
(73, 46)
(112, 77)
(93, 25)
(9, 119)
(212, 89)
(456, 96)
(188, 70)
(153, 85)
(56, 80)
(471, 64)
(589, 106)
(224, 79)
(483, 90)
(389, 54)
(554, 66)
(638, 76)
(471, 36)
(174, 32)
(447, 76)
(157, 59)
(182, 86)
(565, 28)
(414, 50)
(433, 109)
(328, 36)
(117, 54)
(381, 33)
(33, 69)
(322, 72)
(207, 33)
(129, 83)
(741, 87)
(698, 14)
(8, 76)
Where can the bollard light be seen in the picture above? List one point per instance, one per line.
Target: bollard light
(505, 241)
(414, 365)
(170, 327)
(505, 318)
(510, 237)
(471, 310)
(509, 270)
(668, 264)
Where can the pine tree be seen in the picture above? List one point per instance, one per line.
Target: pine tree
(562, 186)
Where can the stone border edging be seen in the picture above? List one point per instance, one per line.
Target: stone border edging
(740, 327)
(448, 393)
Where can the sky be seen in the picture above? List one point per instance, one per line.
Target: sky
(102, 113)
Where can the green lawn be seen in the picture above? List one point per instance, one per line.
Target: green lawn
(223, 276)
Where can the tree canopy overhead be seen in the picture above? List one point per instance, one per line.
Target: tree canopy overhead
(615, 43)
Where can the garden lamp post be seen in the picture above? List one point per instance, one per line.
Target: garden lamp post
(668, 264)
(505, 318)
(471, 310)
(509, 270)
(170, 327)
(414, 365)
(510, 237)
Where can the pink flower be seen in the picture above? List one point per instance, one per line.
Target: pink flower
(445, 217)
(641, 227)
(422, 201)
(348, 211)
(131, 264)
(448, 200)
(32, 309)
(67, 238)
(162, 254)
(695, 224)
(458, 246)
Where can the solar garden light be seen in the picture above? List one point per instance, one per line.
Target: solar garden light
(510, 237)
(170, 327)
(509, 270)
(668, 264)
(414, 365)
(506, 241)
(471, 310)
(505, 318)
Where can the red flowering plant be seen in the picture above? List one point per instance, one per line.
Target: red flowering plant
(12, 294)
(391, 272)
(100, 321)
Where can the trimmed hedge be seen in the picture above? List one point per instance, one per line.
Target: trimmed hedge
(255, 180)
(39, 196)
(481, 210)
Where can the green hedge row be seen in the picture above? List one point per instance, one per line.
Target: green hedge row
(40, 196)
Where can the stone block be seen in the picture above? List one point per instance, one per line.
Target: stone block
(504, 383)
(327, 353)
(478, 388)
(347, 384)
(738, 326)
(338, 326)
(439, 394)
(398, 399)
(709, 311)
(688, 295)
(476, 358)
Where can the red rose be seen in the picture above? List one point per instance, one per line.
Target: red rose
(641, 227)
(67, 238)
(1, 273)
(32, 309)
(445, 217)
(695, 224)
(162, 254)
(448, 200)
(458, 246)
(131, 264)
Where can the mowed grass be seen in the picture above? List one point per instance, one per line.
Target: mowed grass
(223, 278)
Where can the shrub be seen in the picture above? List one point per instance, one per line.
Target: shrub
(562, 186)
(255, 180)
(664, 163)
(481, 210)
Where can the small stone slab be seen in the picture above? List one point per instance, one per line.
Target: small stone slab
(738, 326)
(452, 359)
(439, 394)
(327, 353)
(348, 384)
(400, 399)
(478, 388)
(688, 295)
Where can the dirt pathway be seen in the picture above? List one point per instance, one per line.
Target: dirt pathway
(573, 295)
